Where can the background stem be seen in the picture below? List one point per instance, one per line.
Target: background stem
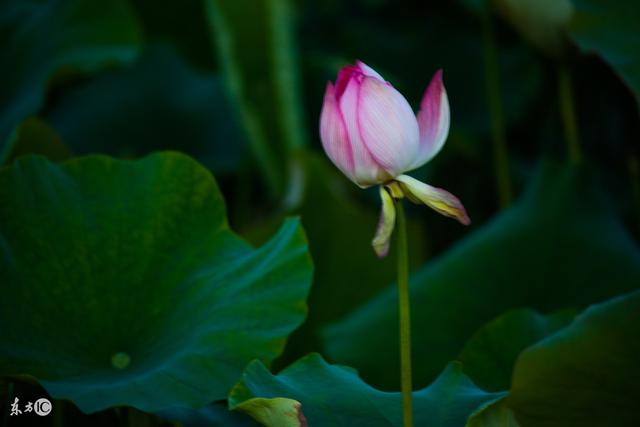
(492, 81)
(567, 110)
(405, 316)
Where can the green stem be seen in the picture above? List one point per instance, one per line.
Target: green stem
(568, 112)
(405, 316)
(492, 81)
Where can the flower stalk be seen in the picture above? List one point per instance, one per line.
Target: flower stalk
(404, 311)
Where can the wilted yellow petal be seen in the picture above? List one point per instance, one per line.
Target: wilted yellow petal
(386, 223)
(437, 199)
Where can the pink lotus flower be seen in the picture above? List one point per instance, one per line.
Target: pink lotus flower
(371, 134)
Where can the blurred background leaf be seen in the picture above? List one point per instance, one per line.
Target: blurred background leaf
(48, 40)
(159, 102)
(490, 354)
(585, 374)
(610, 29)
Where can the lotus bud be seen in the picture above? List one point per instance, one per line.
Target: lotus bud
(371, 134)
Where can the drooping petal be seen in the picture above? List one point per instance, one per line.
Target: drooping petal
(367, 171)
(386, 224)
(387, 126)
(368, 71)
(333, 134)
(433, 120)
(438, 199)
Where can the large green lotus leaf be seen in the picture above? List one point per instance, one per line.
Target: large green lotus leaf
(610, 29)
(561, 245)
(489, 356)
(123, 284)
(43, 38)
(333, 395)
(173, 107)
(586, 374)
(255, 45)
